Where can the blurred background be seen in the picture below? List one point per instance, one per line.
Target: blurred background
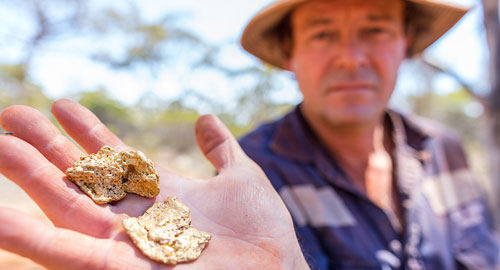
(149, 68)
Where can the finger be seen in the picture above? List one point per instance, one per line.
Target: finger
(58, 198)
(217, 143)
(64, 249)
(84, 127)
(88, 131)
(33, 127)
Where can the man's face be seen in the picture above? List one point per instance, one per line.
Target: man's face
(345, 56)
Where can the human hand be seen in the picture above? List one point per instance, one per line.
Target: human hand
(249, 224)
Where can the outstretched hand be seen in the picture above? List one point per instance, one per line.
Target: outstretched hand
(249, 224)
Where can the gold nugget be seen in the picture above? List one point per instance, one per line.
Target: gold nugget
(108, 176)
(164, 233)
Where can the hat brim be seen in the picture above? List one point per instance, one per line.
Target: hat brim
(433, 19)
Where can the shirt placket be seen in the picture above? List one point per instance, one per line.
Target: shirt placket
(384, 229)
(410, 172)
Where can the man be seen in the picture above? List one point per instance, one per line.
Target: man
(345, 219)
(368, 188)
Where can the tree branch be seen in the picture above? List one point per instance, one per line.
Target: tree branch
(468, 87)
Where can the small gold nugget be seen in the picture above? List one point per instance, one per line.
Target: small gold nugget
(164, 233)
(108, 176)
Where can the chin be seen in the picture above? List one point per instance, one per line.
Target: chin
(352, 116)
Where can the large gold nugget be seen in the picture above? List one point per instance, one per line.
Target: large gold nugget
(164, 233)
(108, 176)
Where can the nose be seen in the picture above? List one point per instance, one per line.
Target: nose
(350, 55)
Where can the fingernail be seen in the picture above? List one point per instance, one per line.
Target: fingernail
(8, 133)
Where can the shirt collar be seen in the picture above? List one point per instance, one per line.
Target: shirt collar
(408, 130)
(295, 139)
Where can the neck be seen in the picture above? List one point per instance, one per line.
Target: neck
(347, 140)
(351, 145)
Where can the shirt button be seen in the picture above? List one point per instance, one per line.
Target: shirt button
(414, 228)
(413, 264)
(395, 246)
(406, 204)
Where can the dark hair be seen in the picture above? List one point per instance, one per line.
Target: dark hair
(410, 17)
(284, 34)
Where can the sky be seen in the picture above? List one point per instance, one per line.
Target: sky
(64, 70)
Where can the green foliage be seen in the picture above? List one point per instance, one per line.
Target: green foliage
(176, 113)
(144, 42)
(13, 72)
(449, 110)
(15, 88)
(111, 112)
(106, 108)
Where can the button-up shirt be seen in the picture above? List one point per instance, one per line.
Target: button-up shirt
(445, 220)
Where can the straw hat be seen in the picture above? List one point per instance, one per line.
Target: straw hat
(431, 19)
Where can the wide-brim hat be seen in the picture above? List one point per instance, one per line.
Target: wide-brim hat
(431, 19)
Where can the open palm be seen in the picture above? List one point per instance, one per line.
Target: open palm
(249, 224)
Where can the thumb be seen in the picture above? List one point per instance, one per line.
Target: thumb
(218, 144)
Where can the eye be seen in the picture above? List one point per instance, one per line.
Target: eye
(376, 32)
(323, 35)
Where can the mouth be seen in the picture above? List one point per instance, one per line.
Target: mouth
(351, 86)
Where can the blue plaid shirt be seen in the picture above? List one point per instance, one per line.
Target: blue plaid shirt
(445, 220)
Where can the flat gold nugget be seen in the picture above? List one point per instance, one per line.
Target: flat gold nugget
(164, 233)
(108, 176)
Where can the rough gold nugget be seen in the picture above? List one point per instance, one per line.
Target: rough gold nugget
(164, 233)
(108, 176)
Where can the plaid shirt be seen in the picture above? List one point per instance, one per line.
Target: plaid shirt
(445, 224)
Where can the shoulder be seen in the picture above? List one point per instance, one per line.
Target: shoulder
(258, 146)
(258, 136)
(257, 141)
(441, 140)
(434, 130)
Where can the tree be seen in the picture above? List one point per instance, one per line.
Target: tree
(144, 44)
(492, 100)
(489, 101)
